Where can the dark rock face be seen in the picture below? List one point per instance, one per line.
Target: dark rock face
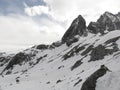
(90, 83)
(74, 51)
(118, 15)
(77, 82)
(18, 59)
(42, 47)
(87, 50)
(98, 53)
(55, 44)
(78, 63)
(4, 60)
(52, 46)
(71, 41)
(101, 51)
(78, 27)
(93, 27)
(113, 40)
(107, 21)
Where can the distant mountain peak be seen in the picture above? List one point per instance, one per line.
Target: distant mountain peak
(106, 22)
(107, 13)
(78, 27)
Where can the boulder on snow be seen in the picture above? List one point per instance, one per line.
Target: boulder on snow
(42, 47)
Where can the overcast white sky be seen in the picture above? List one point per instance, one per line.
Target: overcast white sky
(24, 23)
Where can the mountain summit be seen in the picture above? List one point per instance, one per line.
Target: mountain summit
(78, 27)
(87, 58)
(106, 22)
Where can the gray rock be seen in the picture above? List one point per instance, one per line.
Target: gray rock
(107, 21)
(78, 27)
(42, 46)
(90, 83)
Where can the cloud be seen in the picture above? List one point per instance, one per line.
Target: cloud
(110, 5)
(64, 11)
(67, 10)
(36, 10)
(18, 32)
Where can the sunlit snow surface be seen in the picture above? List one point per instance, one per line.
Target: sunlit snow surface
(54, 73)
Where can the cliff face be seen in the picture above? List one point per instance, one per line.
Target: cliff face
(78, 27)
(106, 22)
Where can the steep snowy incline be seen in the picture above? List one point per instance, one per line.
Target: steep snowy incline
(55, 72)
(89, 63)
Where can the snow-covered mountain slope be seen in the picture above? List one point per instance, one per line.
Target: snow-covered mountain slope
(83, 62)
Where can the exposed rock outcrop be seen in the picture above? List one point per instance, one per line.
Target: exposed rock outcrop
(78, 27)
(106, 22)
(118, 15)
(42, 47)
(17, 59)
(90, 83)
(55, 44)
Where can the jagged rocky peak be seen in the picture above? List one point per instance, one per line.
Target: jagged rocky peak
(108, 15)
(108, 18)
(118, 15)
(106, 22)
(78, 27)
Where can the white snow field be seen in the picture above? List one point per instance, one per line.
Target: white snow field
(53, 71)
